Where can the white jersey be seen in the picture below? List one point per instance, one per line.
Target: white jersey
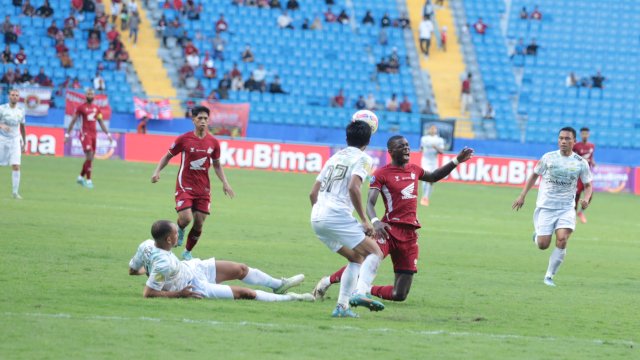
(143, 256)
(11, 117)
(560, 179)
(333, 200)
(168, 273)
(427, 142)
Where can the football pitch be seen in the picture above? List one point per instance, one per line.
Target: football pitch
(66, 292)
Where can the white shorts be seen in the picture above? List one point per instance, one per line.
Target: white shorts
(429, 165)
(212, 291)
(338, 233)
(546, 221)
(10, 151)
(206, 267)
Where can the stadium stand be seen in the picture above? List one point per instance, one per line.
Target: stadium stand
(530, 92)
(41, 52)
(313, 65)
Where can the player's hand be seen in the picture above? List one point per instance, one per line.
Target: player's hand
(155, 177)
(518, 203)
(465, 154)
(367, 228)
(228, 190)
(187, 292)
(584, 203)
(110, 139)
(380, 229)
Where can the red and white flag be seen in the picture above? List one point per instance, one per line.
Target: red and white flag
(159, 109)
(36, 101)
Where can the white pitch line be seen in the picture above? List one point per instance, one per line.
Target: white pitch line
(216, 323)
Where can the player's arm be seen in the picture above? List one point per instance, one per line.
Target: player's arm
(315, 190)
(220, 174)
(184, 293)
(379, 227)
(161, 165)
(23, 134)
(71, 125)
(441, 172)
(356, 199)
(103, 126)
(520, 199)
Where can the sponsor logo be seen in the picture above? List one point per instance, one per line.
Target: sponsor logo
(42, 145)
(179, 203)
(488, 170)
(209, 150)
(269, 156)
(408, 192)
(198, 164)
(397, 178)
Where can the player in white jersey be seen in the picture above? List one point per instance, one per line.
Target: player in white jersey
(431, 145)
(560, 171)
(170, 277)
(12, 138)
(334, 195)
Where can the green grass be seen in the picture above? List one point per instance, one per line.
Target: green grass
(479, 293)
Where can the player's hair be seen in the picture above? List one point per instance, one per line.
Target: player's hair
(12, 90)
(198, 109)
(569, 129)
(393, 139)
(358, 134)
(584, 128)
(161, 229)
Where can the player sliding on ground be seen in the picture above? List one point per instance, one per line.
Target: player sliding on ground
(560, 171)
(170, 277)
(397, 231)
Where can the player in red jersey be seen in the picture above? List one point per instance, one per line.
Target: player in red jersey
(397, 231)
(89, 113)
(585, 149)
(199, 150)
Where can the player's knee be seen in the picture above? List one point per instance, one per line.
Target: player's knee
(543, 245)
(15, 167)
(243, 293)
(242, 271)
(400, 295)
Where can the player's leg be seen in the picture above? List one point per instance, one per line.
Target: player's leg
(14, 159)
(403, 248)
(259, 295)
(196, 230)
(565, 225)
(372, 254)
(544, 224)
(229, 270)
(185, 216)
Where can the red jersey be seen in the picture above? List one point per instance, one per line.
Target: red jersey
(89, 113)
(585, 150)
(197, 155)
(399, 188)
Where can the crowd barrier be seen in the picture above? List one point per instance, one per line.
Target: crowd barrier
(273, 156)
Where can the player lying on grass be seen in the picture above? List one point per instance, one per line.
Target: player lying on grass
(170, 277)
(396, 233)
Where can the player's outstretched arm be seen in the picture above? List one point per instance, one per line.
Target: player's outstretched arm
(226, 188)
(517, 204)
(163, 162)
(379, 227)
(187, 292)
(315, 190)
(356, 199)
(441, 172)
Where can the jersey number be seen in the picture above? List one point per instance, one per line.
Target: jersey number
(334, 174)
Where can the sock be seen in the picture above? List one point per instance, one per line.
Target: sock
(88, 172)
(426, 189)
(269, 297)
(368, 272)
(15, 181)
(257, 277)
(84, 169)
(348, 283)
(336, 276)
(192, 238)
(383, 292)
(555, 260)
(429, 189)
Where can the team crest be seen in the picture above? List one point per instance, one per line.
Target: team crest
(209, 150)
(372, 179)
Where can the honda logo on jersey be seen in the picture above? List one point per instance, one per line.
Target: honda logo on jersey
(408, 192)
(198, 164)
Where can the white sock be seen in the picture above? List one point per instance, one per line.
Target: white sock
(325, 281)
(555, 260)
(269, 297)
(429, 189)
(426, 189)
(257, 277)
(368, 272)
(80, 177)
(15, 181)
(348, 283)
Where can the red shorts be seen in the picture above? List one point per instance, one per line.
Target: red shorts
(402, 245)
(186, 200)
(88, 142)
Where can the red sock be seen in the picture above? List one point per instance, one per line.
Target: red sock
(336, 276)
(383, 292)
(192, 239)
(86, 169)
